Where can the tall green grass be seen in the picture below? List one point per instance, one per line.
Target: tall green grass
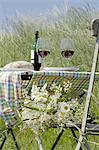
(16, 39)
(18, 35)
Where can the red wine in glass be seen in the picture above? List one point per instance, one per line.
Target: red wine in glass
(67, 53)
(43, 53)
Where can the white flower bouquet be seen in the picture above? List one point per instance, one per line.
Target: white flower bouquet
(52, 105)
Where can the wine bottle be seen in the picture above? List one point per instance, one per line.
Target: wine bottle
(35, 58)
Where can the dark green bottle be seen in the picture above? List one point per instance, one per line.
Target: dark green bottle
(35, 58)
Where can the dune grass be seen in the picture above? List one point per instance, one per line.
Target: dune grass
(18, 35)
(16, 39)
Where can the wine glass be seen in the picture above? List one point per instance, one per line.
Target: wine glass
(43, 46)
(67, 48)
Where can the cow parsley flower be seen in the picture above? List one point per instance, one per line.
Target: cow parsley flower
(49, 105)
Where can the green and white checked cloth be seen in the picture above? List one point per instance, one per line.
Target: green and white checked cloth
(10, 95)
(79, 80)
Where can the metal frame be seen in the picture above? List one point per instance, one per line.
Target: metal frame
(95, 27)
(9, 130)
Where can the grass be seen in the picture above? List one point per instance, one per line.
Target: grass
(26, 140)
(18, 35)
(16, 39)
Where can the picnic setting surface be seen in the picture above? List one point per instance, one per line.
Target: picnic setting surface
(13, 83)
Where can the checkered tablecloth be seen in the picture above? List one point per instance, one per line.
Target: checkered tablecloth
(79, 80)
(13, 90)
(10, 95)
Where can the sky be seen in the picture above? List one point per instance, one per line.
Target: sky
(9, 8)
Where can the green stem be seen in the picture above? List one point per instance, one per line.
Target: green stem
(34, 108)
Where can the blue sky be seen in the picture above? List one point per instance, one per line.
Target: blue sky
(35, 7)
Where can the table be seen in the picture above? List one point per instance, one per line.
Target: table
(12, 84)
